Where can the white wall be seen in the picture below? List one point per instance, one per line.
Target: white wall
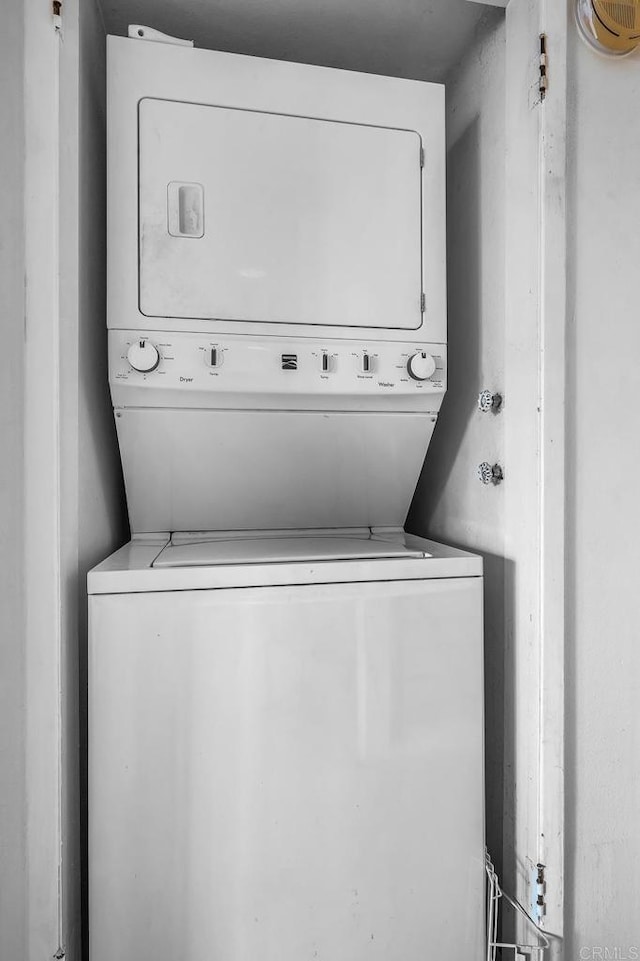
(603, 648)
(450, 503)
(94, 521)
(12, 657)
(61, 504)
(101, 509)
(92, 510)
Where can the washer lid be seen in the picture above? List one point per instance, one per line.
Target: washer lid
(130, 570)
(280, 550)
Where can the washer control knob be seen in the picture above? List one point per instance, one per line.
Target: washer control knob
(143, 356)
(421, 366)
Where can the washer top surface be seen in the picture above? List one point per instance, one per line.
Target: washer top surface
(279, 550)
(215, 560)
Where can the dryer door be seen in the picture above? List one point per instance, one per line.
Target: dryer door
(260, 217)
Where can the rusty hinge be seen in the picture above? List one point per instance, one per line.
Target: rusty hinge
(538, 893)
(56, 11)
(543, 80)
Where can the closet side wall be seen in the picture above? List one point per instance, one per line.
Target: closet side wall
(12, 652)
(450, 503)
(92, 509)
(101, 511)
(603, 466)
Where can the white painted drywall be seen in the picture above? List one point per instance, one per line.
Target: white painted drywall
(603, 599)
(12, 656)
(101, 509)
(491, 3)
(450, 503)
(93, 521)
(101, 505)
(421, 39)
(42, 504)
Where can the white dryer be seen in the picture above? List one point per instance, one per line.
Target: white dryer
(285, 741)
(276, 288)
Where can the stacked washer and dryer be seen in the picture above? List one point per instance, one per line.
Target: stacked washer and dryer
(285, 688)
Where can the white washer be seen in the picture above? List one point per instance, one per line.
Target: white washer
(286, 749)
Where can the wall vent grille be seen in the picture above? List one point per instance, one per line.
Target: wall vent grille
(626, 15)
(609, 26)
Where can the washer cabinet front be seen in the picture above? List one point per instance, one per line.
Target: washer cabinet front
(287, 773)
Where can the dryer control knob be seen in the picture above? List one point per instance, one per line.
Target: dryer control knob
(421, 366)
(143, 356)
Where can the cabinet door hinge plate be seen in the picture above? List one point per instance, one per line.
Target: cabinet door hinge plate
(56, 13)
(538, 893)
(543, 79)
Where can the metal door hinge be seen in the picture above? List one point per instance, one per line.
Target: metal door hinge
(56, 11)
(423, 303)
(543, 79)
(60, 955)
(538, 893)
(421, 157)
